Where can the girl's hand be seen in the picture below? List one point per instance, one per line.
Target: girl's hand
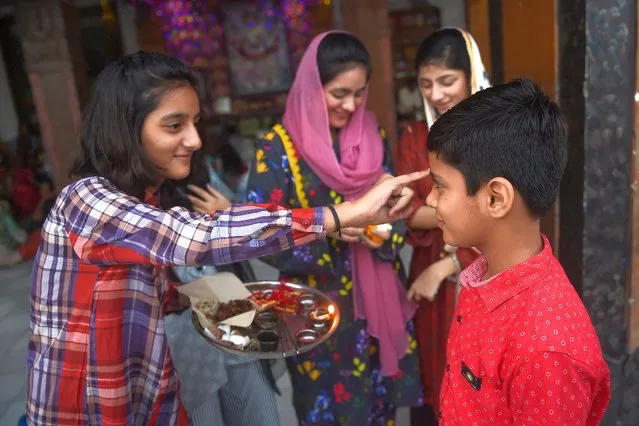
(386, 202)
(349, 235)
(428, 282)
(375, 237)
(207, 200)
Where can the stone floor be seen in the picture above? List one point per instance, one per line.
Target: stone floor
(14, 337)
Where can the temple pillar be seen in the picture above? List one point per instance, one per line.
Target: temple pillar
(49, 31)
(8, 115)
(597, 74)
(128, 27)
(369, 22)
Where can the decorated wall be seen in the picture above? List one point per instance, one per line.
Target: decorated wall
(245, 52)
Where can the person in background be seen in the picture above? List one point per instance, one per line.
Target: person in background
(409, 100)
(449, 69)
(5, 171)
(28, 141)
(25, 194)
(228, 172)
(217, 388)
(329, 149)
(100, 286)
(13, 238)
(31, 185)
(17, 241)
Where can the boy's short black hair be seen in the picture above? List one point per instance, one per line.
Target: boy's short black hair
(511, 130)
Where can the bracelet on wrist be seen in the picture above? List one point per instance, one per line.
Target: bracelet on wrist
(338, 225)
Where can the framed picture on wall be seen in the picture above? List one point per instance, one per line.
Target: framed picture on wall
(257, 47)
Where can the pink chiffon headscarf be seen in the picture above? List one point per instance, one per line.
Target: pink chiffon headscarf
(378, 294)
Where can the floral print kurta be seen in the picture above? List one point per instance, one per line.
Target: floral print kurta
(339, 382)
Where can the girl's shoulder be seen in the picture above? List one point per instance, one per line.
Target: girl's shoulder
(94, 191)
(414, 137)
(276, 133)
(417, 128)
(89, 183)
(275, 140)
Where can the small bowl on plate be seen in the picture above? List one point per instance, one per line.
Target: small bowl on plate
(307, 302)
(306, 337)
(268, 340)
(266, 320)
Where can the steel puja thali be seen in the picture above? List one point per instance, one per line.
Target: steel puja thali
(289, 319)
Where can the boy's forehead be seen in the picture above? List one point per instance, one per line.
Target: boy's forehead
(440, 170)
(434, 161)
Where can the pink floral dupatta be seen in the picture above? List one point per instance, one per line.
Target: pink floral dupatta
(379, 296)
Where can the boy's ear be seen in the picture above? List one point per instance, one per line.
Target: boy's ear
(500, 197)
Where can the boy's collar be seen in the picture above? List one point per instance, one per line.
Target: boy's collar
(509, 283)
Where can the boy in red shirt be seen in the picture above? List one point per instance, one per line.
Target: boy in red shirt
(522, 349)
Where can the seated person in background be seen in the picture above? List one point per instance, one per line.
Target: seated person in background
(32, 192)
(235, 171)
(522, 349)
(228, 173)
(17, 243)
(217, 388)
(12, 237)
(5, 171)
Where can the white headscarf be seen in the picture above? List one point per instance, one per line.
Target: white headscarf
(478, 75)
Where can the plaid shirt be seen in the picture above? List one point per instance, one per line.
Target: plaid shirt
(98, 353)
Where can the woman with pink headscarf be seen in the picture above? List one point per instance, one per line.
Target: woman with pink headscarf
(329, 149)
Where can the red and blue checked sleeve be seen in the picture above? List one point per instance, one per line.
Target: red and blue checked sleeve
(107, 226)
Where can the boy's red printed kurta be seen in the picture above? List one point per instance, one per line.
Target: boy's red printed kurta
(522, 350)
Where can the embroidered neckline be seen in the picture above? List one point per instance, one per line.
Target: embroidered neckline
(293, 163)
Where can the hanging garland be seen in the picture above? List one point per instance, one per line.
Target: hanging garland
(194, 33)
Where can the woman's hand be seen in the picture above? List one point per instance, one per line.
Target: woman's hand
(207, 200)
(380, 235)
(383, 178)
(349, 235)
(358, 235)
(386, 202)
(428, 282)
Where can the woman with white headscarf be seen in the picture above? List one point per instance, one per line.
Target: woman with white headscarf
(449, 69)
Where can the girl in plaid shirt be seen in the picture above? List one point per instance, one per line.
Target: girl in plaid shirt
(98, 353)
